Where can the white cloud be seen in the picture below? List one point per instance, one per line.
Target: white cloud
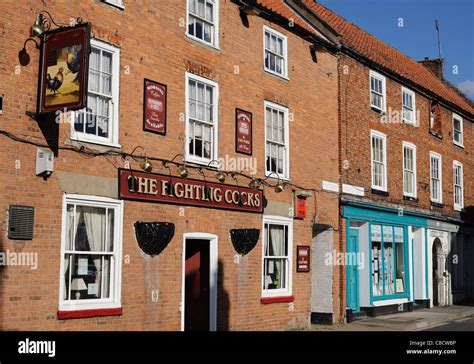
(467, 87)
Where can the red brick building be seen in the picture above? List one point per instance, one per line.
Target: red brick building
(72, 260)
(406, 170)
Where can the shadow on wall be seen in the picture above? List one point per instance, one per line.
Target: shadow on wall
(467, 271)
(223, 303)
(2, 277)
(50, 130)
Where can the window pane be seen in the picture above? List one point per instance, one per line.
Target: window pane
(87, 276)
(376, 260)
(91, 228)
(400, 271)
(388, 269)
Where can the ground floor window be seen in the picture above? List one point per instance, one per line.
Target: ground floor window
(388, 260)
(91, 248)
(277, 248)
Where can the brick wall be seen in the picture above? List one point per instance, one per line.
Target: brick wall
(357, 119)
(153, 45)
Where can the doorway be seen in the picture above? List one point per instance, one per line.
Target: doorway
(437, 272)
(199, 289)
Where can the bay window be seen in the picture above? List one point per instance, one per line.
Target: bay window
(91, 253)
(99, 122)
(277, 253)
(201, 119)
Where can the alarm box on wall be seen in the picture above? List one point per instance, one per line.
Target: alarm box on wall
(44, 162)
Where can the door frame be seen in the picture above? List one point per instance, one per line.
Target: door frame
(213, 268)
(354, 232)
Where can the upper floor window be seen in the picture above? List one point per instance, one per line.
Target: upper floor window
(275, 52)
(99, 122)
(379, 160)
(276, 140)
(203, 21)
(377, 91)
(91, 253)
(117, 3)
(277, 249)
(457, 130)
(409, 169)
(409, 109)
(458, 185)
(436, 182)
(201, 119)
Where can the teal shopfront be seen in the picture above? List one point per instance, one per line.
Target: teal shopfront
(389, 247)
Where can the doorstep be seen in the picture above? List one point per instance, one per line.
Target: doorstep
(421, 319)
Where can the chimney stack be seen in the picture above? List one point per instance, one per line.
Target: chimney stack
(435, 66)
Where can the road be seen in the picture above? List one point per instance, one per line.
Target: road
(464, 324)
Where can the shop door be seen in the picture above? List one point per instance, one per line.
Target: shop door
(197, 284)
(352, 281)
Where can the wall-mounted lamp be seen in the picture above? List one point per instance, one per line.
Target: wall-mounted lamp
(183, 172)
(146, 165)
(255, 183)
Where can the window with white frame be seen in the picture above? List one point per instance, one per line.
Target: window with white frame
(436, 181)
(409, 169)
(458, 185)
(276, 140)
(379, 160)
(277, 253)
(377, 91)
(275, 52)
(99, 122)
(117, 3)
(457, 130)
(201, 119)
(203, 21)
(91, 253)
(408, 105)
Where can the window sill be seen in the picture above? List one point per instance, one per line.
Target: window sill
(283, 77)
(278, 299)
(201, 42)
(410, 198)
(436, 134)
(437, 204)
(458, 145)
(273, 175)
(458, 208)
(379, 192)
(96, 142)
(377, 110)
(63, 315)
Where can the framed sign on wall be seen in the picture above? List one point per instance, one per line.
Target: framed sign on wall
(303, 258)
(243, 132)
(154, 107)
(64, 69)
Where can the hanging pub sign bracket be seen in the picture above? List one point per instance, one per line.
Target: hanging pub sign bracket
(153, 237)
(244, 240)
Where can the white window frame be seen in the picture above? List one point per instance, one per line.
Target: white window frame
(278, 220)
(413, 95)
(377, 134)
(115, 297)
(459, 143)
(459, 206)
(215, 35)
(437, 156)
(384, 90)
(285, 110)
(285, 52)
(215, 148)
(112, 140)
(118, 3)
(407, 145)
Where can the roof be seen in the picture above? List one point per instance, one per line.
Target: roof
(377, 51)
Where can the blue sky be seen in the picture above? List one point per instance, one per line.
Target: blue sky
(417, 37)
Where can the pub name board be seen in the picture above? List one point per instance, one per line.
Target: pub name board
(161, 188)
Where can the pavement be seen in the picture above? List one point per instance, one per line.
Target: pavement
(410, 321)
